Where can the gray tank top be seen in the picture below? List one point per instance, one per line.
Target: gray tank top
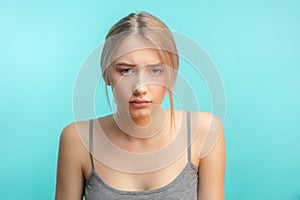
(184, 186)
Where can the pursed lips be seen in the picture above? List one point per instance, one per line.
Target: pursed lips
(140, 102)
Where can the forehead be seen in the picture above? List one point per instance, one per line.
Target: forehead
(136, 50)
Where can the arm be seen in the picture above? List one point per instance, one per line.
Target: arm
(69, 182)
(212, 167)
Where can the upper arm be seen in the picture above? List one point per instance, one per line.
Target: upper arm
(69, 182)
(212, 166)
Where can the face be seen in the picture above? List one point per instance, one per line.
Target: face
(138, 79)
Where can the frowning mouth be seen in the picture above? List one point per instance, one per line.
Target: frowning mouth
(140, 102)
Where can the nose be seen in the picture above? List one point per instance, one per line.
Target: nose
(140, 90)
(140, 87)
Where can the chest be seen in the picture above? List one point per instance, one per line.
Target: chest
(183, 187)
(139, 181)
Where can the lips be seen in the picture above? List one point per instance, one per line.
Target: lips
(140, 102)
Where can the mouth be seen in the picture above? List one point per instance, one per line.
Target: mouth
(140, 103)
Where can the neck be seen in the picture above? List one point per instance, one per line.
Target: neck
(145, 127)
(136, 140)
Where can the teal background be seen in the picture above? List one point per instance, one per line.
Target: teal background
(255, 44)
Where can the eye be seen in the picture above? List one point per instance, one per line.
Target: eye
(156, 70)
(125, 71)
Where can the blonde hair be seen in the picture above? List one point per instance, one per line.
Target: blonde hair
(150, 28)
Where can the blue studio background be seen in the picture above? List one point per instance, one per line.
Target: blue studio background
(255, 45)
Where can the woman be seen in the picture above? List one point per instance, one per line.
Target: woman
(152, 153)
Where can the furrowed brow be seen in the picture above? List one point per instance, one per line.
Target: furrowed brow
(155, 65)
(133, 65)
(124, 64)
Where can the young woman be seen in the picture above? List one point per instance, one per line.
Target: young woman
(151, 153)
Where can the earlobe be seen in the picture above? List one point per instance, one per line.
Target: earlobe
(106, 79)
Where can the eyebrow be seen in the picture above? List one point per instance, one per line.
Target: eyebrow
(155, 65)
(124, 64)
(133, 65)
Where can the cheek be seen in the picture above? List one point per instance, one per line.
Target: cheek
(121, 92)
(123, 89)
(158, 92)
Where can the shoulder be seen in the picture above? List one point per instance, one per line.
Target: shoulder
(77, 133)
(70, 134)
(71, 157)
(206, 122)
(206, 118)
(213, 133)
(73, 141)
(209, 122)
(207, 130)
(212, 158)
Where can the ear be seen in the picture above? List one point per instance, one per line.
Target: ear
(106, 78)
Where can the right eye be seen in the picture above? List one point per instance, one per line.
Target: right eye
(125, 71)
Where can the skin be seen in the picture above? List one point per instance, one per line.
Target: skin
(74, 165)
(129, 74)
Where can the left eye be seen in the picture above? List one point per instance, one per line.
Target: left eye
(156, 71)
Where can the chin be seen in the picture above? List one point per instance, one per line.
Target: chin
(140, 114)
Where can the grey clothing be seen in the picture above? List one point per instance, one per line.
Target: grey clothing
(183, 187)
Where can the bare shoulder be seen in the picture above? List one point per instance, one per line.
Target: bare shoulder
(206, 119)
(75, 136)
(212, 158)
(71, 156)
(72, 134)
(206, 130)
(73, 147)
(204, 122)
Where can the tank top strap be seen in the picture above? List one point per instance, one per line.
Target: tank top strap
(188, 120)
(91, 142)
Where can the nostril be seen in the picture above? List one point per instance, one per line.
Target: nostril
(139, 89)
